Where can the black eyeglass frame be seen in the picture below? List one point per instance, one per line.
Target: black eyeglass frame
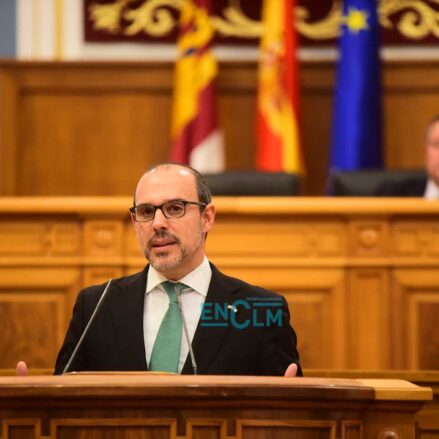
(160, 206)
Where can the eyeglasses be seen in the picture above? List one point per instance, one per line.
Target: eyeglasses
(171, 209)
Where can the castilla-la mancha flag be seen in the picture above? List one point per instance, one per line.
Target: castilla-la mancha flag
(196, 138)
(278, 92)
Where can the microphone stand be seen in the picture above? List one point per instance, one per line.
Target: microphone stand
(84, 333)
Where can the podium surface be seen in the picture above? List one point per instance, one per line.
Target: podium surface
(128, 405)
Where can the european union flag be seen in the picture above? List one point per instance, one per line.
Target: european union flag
(356, 136)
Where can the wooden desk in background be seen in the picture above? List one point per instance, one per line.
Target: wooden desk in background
(427, 419)
(361, 275)
(154, 406)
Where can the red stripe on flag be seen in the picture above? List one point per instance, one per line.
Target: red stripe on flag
(198, 129)
(291, 65)
(268, 158)
(205, 122)
(278, 134)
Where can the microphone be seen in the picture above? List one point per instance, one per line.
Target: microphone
(186, 333)
(84, 333)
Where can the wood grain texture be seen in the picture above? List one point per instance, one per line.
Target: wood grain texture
(91, 128)
(427, 420)
(175, 406)
(35, 308)
(369, 335)
(360, 276)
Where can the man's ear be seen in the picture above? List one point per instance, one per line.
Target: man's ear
(208, 217)
(133, 222)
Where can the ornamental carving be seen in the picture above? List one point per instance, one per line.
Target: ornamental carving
(389, 433)
(412, 20)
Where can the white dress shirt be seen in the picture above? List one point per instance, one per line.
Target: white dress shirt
(431, 190)
(157, 303)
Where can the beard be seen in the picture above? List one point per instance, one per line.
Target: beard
(166, 260)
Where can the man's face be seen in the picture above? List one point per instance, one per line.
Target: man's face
(432, 152)
(174, 247)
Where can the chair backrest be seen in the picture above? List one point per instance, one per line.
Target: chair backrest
(367, 183)
(253, 183)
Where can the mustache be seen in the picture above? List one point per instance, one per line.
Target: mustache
(162, 234)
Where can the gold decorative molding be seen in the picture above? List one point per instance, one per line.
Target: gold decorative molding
(325, 29)
(151, 19)
(106, 17)
(416, 19)
(235, 23)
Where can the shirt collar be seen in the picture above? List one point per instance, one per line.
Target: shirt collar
(431, 190)
(198, 279)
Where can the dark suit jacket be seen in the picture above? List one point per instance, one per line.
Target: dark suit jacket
(414, 187)
(115, 339)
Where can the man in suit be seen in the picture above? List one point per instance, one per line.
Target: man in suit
(427, 187)
(139, 325)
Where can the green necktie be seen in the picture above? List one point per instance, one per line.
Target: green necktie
(165, 354)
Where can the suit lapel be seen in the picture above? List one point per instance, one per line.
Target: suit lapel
(126, 303)
(208, 340)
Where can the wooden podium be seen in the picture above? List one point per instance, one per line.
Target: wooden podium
(131, 405)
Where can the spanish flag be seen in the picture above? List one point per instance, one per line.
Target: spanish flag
(278, 92)
(196, 139)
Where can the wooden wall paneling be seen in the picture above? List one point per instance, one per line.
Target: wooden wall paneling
(368, 304)
(399, 335)
(351, 429)
(411, 92)
(113, 118)
(423, 315)
(206, 428)
(105, 120)
(132, 248)
(23, 428)
(262, 428)
(114, 428)
(368, 294)
(317, 80)
(123, 406)
(409, 239)
(328, 239)
(135, 260)
(427, 419)
(103, 239)
(47, 238)
(246, 238)
(316, 298)
(9, 132)
(35, 308)
(429, 432)
(300, 239)
(359, 275)
(395, 426)
(369, 237)
(99, 275)
(416, 327)
(107, 242)
(415, 238)
(432, 243)
(236, 97)
(24, 238)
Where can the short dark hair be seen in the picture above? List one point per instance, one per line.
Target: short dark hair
(203, 191)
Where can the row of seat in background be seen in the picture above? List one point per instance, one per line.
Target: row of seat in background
(354, 183)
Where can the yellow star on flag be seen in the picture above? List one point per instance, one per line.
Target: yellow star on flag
(356, 20)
